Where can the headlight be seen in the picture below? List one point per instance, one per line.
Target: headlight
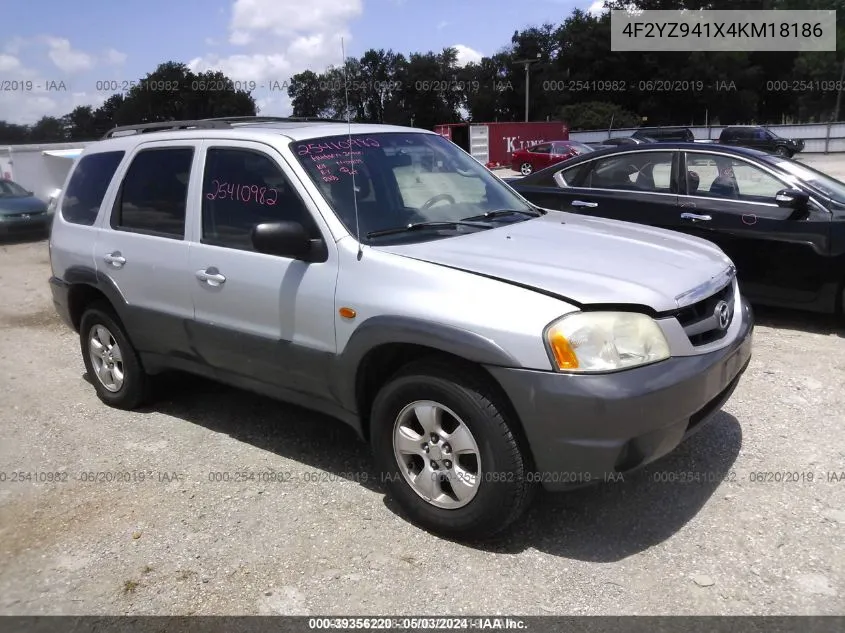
(605, 341)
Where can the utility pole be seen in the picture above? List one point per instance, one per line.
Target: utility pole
(527, 63)
(841, 79)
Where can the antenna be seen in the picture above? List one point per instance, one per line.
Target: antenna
(349, 134)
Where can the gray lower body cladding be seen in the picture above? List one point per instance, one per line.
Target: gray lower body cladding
(589, 428)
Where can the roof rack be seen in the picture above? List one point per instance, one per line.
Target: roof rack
(214, 123)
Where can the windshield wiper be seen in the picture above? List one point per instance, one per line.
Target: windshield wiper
(416, 226)
(501, 212)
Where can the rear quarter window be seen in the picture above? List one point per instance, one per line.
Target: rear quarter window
(87, 187)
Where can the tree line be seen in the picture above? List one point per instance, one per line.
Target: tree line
(574, 77)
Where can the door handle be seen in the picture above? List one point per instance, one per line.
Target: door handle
(581, 203)
(695, 217)
(211, 276)
(115, 259)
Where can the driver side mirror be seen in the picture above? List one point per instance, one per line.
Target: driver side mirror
(792, 198)
(288, 239)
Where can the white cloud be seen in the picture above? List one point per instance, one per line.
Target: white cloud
(597, 8)
(286, 18)
(280, 38)
(257, 67)
(467, 54)
(9, 63)
(45, 93)
(65, 57)
(14, 46)
(114, 58)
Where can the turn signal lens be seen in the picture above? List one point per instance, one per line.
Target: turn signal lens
(562, 351)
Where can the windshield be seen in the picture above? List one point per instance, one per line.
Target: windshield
(821, 182)
(406, 178)
(9, 189)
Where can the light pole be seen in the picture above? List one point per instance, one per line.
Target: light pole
(841, 79)
(527, 63)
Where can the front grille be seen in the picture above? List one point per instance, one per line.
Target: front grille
(25, 214)
(700, 321)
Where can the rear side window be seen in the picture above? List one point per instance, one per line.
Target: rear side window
(154, 193)
(87, 187)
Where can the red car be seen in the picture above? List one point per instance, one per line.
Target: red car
(539, 156)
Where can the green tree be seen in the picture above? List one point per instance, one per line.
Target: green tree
(597, 115)
(80, 124)
(48, 129)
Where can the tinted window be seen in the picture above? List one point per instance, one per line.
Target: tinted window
(725, 177)
(243, 188)
(87, 187)
(645, 171)
(154, 193)
(545, 148)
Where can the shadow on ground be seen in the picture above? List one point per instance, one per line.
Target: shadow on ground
(811, 322)
(600, 523)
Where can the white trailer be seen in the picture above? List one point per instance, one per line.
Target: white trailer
(41, 169)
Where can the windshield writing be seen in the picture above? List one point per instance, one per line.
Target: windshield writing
(400, 178)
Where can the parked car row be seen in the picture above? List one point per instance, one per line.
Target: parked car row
(483, 345)
(751, 136)
(782, 223)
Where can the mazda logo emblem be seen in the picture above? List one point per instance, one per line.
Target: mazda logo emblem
(723, 315)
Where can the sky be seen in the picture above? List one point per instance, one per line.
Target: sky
(56, 55)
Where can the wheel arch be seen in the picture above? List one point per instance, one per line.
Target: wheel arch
(381, 346)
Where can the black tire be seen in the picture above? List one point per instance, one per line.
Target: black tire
(133, 392)
(526, 169)
(500, 498)
(783, 151)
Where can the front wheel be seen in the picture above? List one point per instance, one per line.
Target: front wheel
(782, 151)
(447, 452)
(525, 169)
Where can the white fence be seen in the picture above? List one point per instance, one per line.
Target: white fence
(819, 138)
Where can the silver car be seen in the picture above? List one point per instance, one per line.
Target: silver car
(484, 347)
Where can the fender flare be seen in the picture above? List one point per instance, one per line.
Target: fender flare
(387, 329)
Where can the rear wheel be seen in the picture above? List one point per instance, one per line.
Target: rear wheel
(447, 453)
(525, 169)
(110, 360)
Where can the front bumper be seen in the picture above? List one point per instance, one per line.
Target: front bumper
(14, 226)
(588, 428)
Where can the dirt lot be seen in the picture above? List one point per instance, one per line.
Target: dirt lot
(726, 541)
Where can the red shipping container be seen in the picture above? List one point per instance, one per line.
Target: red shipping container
(493, 143)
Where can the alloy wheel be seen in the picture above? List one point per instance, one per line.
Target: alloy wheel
(437, 454)
(106, 358)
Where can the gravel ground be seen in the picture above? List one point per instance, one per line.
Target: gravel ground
(324, 542)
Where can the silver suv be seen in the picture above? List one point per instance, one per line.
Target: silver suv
(483, 346)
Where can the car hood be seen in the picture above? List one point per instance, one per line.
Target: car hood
(23, 204)
(585, 260)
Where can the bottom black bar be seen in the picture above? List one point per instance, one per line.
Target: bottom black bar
(535, 624)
